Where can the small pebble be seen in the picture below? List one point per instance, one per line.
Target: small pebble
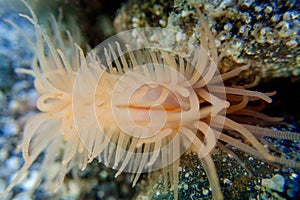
(227, 181)
(22, 196)
(10, 128)
(185, 187)
(103, 175)
(186, 175)
(205, 191)
(13, 163)
(276, 183)
(294, 176)
(29, 183)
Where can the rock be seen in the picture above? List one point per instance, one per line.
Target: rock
(265, 33)
(22, 196)
(10, 127)
(13, 163)
(31, 180)
(276, 183)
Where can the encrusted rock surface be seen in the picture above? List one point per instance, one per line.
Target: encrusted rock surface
(265, 33)
(236, 182)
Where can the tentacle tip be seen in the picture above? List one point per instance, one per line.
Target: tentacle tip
(226, 104)
(266, 98)
(133, 184)
(115, 166)
(64, 162)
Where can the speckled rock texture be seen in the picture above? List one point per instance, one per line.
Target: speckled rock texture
(258, 180)
(265, 33)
